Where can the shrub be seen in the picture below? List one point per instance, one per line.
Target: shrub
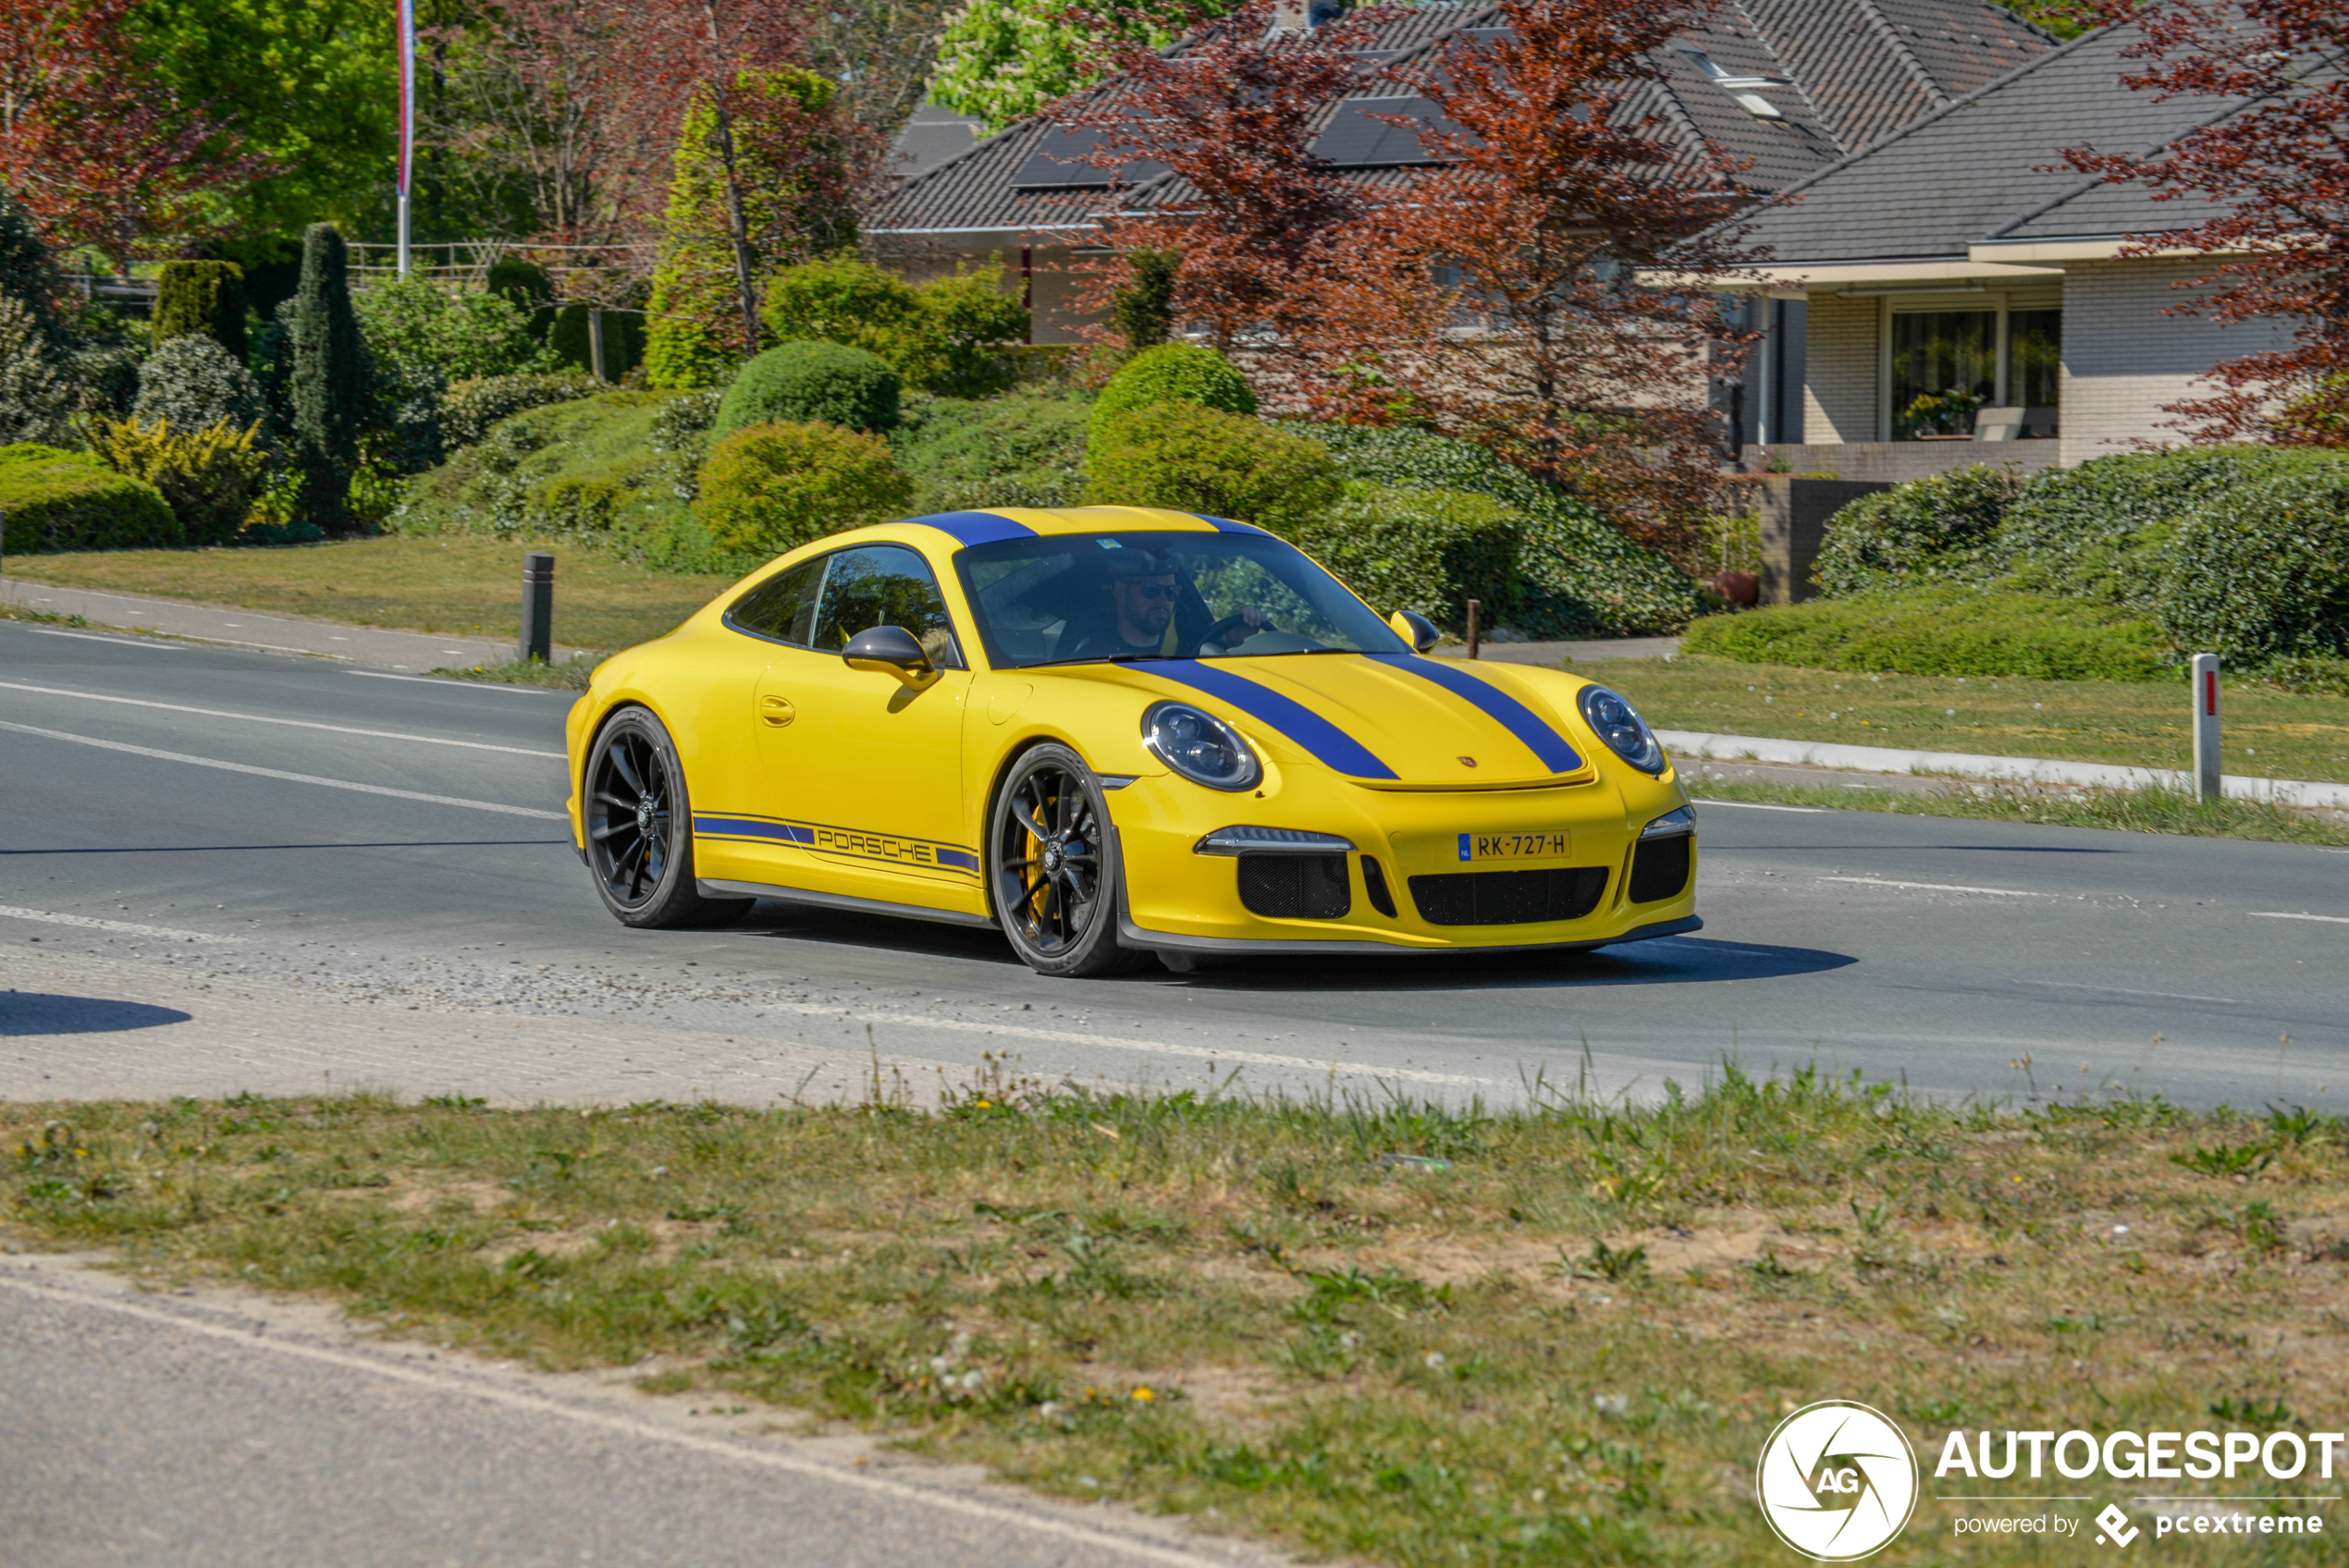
(59, 500)
(957, 336)
(812, 383)
(330, 388)
(416, 329)
(523, 285)
(771, 486)
(1172, 372)
(1425, 550)
(1943, 630)
(208, 476)
(1142, 310)
(2261, 569)
(839, 300)
(1578, 574)
(29, 270)
(1937, 529)
(34, 394)
(568, 340)
(1003, 452)
(472, 407)
(205, 297)
(1194, 459)
(191, 383)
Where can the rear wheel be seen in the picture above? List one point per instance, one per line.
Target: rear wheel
(640, 830)
(1052, 864)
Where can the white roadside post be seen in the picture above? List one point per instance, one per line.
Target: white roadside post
(2206, 727)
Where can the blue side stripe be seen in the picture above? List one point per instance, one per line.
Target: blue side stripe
(961, 860)
(1226, 526)
(1515, 716)
(1331, 746)
(710, 826)
(976, 528)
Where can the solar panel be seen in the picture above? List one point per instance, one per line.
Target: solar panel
(1359, 139)
(1053, 165)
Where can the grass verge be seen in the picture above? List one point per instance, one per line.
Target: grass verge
(2269, 733)
(1424, 1336)
(2130, 810)
(570, 675)
(451, 583)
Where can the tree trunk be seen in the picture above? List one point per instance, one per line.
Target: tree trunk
(737, 221)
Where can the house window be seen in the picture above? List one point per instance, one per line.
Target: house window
(1944, 365)
(2034, 353)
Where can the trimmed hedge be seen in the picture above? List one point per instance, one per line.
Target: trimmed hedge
(1943, 630)
(1172, 372)
(472, 407)
(58, 500)
(1015, 451)
(2260, 570)
(1425, 550)
(1931, 529)
(206, 296)
(769, 488)
(812, 383)
(1195, 459)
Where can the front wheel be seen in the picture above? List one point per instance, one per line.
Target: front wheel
(640, 830)
(1051, 867)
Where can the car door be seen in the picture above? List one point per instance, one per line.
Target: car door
(866, 769)
(738, 832)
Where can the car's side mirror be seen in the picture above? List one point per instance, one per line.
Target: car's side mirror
(1415, 628)
(893, 650)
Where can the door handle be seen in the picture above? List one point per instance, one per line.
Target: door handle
(777, 711)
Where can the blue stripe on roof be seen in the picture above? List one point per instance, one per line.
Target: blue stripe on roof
(976, 528)
(1515, 716)
(1331, 746)
(1226, 526)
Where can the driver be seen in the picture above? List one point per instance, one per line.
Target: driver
(1142, 589)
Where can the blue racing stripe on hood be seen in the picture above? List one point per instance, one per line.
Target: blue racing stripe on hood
(976, 528)
(1331, 746)
(1513, 716)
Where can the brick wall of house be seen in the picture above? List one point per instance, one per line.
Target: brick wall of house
(2124, 359)
(1840, 371)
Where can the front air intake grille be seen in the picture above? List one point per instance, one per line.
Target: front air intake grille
(1295, 886)
(1374, 884)
(1660, 868)
(1508, 897)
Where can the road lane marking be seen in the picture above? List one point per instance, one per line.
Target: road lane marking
(2124, 991)
(117, 641)
(1938, 886)
(2327, 919)
(289, 778)
(445, 680)
(264, 719)
(127, 927)
(479, 1387)
(1757, 805)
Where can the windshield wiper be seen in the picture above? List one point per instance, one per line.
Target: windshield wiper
(1103, 659)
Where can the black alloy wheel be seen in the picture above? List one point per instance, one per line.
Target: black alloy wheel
(1052, 867)
(640, 830)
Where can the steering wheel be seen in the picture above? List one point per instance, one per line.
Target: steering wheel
(1215, 632)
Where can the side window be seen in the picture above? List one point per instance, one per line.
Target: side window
(782, 608)
(884, 586)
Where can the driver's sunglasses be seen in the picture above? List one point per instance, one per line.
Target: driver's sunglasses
(1152, 592)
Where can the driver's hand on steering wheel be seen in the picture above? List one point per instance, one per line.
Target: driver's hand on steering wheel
(1252, 617)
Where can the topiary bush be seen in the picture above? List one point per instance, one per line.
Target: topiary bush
(208, 476)
(201, 297)
(2261, 569)
(771, 486)
(965, 454)
(35, 397)
(470, 407)
(58, 500)
(330, 388)
(1172, 372)
(958, 336)
(1425, 550)
(1944, 629)
(1937, 529)
(191, 383)
(812, 383)
(1194, 459)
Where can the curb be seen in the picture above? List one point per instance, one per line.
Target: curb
(2014, 770)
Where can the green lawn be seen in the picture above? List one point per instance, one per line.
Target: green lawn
(445, 583)
(2142, 724)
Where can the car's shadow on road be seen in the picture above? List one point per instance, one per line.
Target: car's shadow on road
(43, 1012)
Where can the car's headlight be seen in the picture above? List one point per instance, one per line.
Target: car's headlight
(1201, 747)
(1618, 723)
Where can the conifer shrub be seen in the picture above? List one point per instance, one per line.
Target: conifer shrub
(330, 390)
(201, 297)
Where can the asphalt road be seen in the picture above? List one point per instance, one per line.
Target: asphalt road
(262, 838)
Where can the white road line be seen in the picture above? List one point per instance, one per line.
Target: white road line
(1757, 805)
(628, 1426)
(1937, 886)
(117, 641)
(2327, 919)
(264, 719)
(127, 927)
(289, 778)
(2124, 991)
(444, 681)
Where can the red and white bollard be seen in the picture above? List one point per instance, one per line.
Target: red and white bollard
(2206, 785)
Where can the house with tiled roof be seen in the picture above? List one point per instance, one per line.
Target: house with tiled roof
(1783, 88)
(1953, 282)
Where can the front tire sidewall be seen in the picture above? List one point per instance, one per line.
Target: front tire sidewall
(1097, 951)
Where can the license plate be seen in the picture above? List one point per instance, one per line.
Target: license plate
(1513, 846)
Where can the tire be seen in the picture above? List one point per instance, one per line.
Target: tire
(1052, 869)
(640, 830)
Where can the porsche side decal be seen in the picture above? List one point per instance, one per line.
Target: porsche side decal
(1515, 716)
(1331, 746)
(856, 843)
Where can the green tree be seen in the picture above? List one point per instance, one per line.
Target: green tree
(1142, 310)
(414, 325)
(1003, 60)
(330, 390)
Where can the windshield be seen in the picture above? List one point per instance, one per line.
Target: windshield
(1082, 597)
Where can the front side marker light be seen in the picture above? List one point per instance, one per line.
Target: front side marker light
(1250, 840)
(1671, 825)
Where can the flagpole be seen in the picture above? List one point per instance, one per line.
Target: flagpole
(407, 118)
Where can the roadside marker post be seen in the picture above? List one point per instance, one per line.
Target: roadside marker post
(2206, 728)
(538, 606)
(596, 341)
(1473, 608)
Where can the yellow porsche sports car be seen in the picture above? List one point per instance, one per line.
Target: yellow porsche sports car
(1114, 732)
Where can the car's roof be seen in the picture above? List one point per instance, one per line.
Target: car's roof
(1014, 522)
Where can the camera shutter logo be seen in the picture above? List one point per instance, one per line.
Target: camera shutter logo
(1837, 1480)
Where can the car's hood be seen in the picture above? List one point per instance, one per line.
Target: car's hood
(1392, 721)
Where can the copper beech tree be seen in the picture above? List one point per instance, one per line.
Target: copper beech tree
(2274, 156)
